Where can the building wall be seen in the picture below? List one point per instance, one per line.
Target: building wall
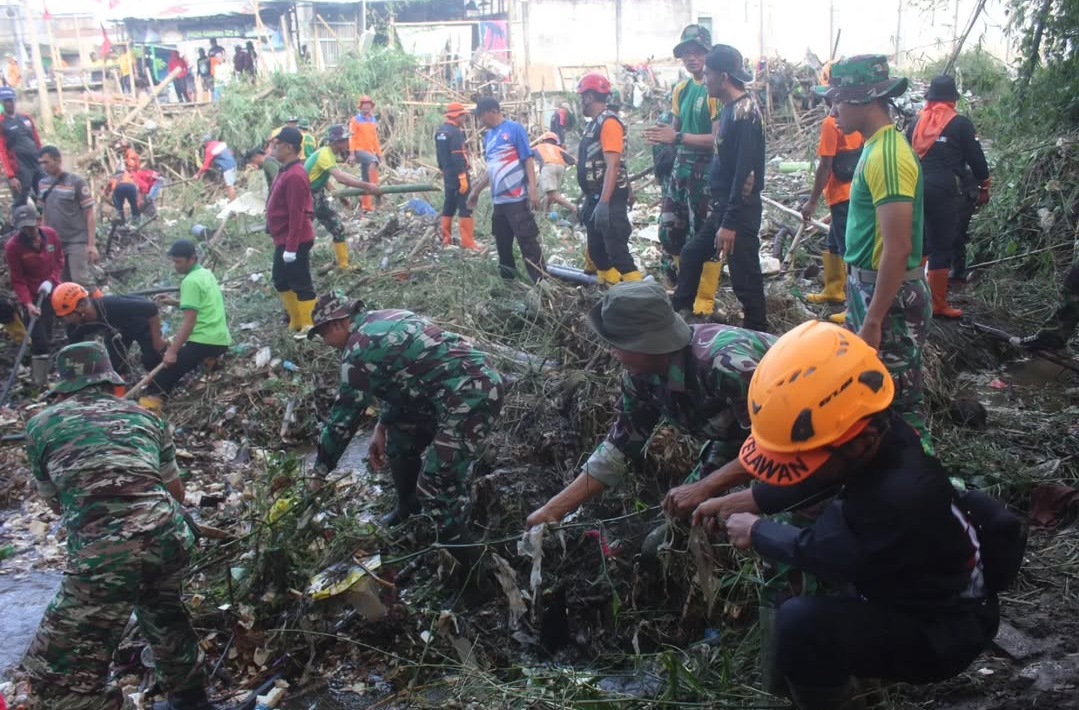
(594, 33)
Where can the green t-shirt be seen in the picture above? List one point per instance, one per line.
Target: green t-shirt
(695, 111)
(199, 292)
(887, 172)
(318, 166)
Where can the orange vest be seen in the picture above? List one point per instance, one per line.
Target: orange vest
(363, 134)
(550, 153)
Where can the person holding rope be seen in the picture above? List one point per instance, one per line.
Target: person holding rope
(122, 321)
(693, 377)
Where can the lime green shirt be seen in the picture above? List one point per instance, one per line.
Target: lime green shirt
(318, 166)
(199, 292)
(887, 172)
(695, 111)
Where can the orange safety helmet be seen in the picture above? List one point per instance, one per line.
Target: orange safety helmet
(812, 391)
(550, 136)
(594, 81)
(66, 297)
(365, 99)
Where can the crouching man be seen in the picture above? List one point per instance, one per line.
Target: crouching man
(438, 400)
(694, 377)
(921, 608)
(109, 467)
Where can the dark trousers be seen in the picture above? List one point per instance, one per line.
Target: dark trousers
(837, 234)
(744, 264)
(295, 276)
(609, 249)
(180, 85)
(823, 641)
(962, 236)
(41, 333)
(456, 202)
(126, 192)
(118, 344)
(941, 222)
(515, 220)
(190, 356)
(28, 179)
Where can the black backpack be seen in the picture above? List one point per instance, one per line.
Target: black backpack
(1001, 533)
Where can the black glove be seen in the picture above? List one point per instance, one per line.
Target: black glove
(601, 217)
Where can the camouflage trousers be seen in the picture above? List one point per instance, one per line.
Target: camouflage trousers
(685, 204)
(902, 340)
(451, 443)
(327, 216)
(68, 660)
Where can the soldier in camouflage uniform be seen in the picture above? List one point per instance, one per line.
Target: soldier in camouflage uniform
(438, 398)
(690, 133)
(109, 467)
(888, 301)
(693, 377)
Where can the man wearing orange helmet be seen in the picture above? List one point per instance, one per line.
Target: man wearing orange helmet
(924, 603)
(452, 153)
(604, 182)
(553, 160)
(121, 320)
(363, 145)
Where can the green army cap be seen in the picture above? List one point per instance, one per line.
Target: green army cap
(637, 316)
(81, 365)
(693, 34)
(862, 79)
(330, 307)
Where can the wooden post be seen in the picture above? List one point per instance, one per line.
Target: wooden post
(317, 49)
(57, 70)
(290, 56)
(39, 69)
(86, 108)
(261, 30)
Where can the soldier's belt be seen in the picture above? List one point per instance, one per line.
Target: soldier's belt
(869, 276)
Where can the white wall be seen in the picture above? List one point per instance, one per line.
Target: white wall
(585, 32)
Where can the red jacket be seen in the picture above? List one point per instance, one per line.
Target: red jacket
(28, 267)
(290, 209)
(7, 156)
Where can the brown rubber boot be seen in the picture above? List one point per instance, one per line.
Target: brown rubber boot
(467, 225)
(938, 285)
(447, 231)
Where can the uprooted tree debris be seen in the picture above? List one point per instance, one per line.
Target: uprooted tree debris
(305, 600)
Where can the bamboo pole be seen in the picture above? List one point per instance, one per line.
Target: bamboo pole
(290, 56)
(261, 30)
(39, 69)
(57, 72)
(146, 100)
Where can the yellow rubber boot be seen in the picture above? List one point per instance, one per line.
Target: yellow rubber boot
(16, 330)
(839, 318)
(632, 276)
(609, 277)
(303, 317)
(151, 403)
(340, 250)
(835, 280)
(589, 265)
(288, 298)
(705, 303)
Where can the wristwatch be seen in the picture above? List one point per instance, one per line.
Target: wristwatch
(678, 138)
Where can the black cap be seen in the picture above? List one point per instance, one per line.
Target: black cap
(290, 135)
(487, 103)
(727, 59)
(257, 150)
(942, 88)
(183, 248)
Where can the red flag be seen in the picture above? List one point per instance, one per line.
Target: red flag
(106, 45)
(45, 14)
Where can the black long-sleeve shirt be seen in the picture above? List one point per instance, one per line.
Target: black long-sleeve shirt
(452, 154)
(956, 148)
(739, 154)
(892, 530)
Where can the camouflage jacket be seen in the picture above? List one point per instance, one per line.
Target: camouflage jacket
(415, 371)
(704, 394)
(106, 462)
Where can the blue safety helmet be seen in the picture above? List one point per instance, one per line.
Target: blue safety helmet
(7, 93)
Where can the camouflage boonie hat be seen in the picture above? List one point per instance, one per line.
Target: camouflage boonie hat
(330, 307)
(862, 79)
(81, 365)
(336, 132)
(637, 317)
(693, 34)
(302, 123)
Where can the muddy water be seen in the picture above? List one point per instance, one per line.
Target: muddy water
(23, 598)
(1001, 390)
